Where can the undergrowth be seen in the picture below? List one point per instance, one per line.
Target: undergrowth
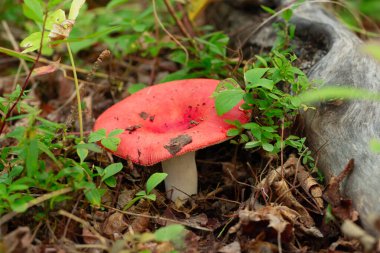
(39, 156)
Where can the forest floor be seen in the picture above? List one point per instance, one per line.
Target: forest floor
(54, 201)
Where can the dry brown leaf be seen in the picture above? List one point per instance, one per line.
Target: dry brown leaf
(40, 71)
(310, 186)
(341, 208)
(164, 247)
(286, 197)
(348, 245)
(140, 223)
(332, 193)
(233, 247)
(275, 175)
(352, 230)
(258, 246)
(278, 218)
(114, 224)
(88, 237)
(19, 241)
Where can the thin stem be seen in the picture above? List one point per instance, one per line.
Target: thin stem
(27, 79)
(77, 90)
(36, 201)
(179, 23)
(168, 33)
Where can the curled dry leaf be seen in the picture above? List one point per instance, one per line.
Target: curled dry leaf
(61, 31)
(276, 174)
(341, 208)
(310, 186)
(286, 197)
(46, 69)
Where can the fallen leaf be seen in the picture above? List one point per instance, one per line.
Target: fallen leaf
(19, 241)
(352, 230)
(88, 237)
(46, 69)
(310, 186)
(286, 197)
(233, 247)
(114, 224)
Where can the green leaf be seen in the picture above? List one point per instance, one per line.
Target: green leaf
(16, 171)
(32, 42)
(133, 88)
(132, 202)
(287, 15)
(3, 190)
(94, 196)
(252, 125)
(90, 146)
(267, 9)
(32, 158)
(268, 147)
(56, 17)
(114, 3)
(82, 153)
(141, 193)
(97, 135)
(53, 3)
(17, 187)
(33, 10)
(111, 143)
(265, 83)
(111, 181)
(252, 144)
(262, 60)
(20, 204)
(154, 180)
(47, 151)
(170, 233)
(115, 132)
(111, 170)
(233, 132)
(253, 75)
(151, 197)
(74, 9)
(228, 99)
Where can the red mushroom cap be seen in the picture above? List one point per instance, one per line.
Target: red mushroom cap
(169, 119)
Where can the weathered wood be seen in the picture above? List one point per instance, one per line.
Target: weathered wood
(341, 131)
(337, 132)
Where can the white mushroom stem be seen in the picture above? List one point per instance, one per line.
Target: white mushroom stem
(182, 179)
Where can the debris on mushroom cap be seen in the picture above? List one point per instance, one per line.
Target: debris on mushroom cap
(167, 120)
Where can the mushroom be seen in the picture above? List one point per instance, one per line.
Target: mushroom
(167, 123)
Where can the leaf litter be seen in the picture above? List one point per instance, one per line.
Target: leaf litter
(241, 206)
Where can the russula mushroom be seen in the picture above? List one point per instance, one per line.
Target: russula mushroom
(167, 123)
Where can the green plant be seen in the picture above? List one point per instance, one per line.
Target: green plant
(173, 233)
(284, 30)
(271, 106)
(37, 156)
(154, 180)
